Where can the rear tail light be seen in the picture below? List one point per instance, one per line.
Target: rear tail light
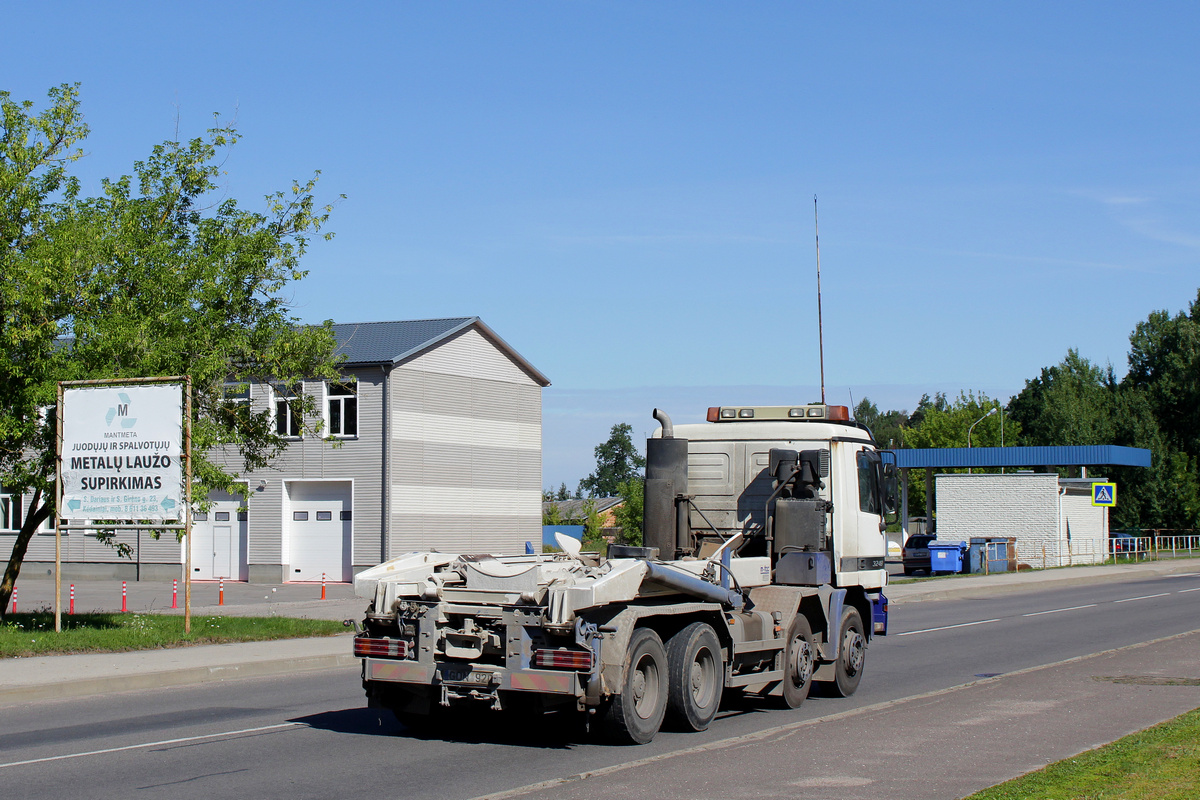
(379, 648)
(563, 659)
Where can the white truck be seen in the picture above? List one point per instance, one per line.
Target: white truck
(761, 569)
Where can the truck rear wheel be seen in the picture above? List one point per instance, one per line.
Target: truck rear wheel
(798, 662)
(696, 677)
(637, 710)
(852, 654)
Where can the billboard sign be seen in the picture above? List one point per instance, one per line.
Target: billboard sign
(121, 452)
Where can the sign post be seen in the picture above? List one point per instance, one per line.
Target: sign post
(124, 454)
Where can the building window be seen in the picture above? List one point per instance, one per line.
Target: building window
(343, 408)
(8, 514)
(222, 516)
(200, 516)
(324, 516)
(236, 402)
(300, 516)
(287, 410)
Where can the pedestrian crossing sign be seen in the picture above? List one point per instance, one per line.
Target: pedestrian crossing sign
(1104, 494)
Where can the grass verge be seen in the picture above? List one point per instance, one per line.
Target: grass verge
(23, 635)
(1159, 763)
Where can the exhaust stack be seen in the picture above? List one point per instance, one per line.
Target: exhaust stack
(665, 517)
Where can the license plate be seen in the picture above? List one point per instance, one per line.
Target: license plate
(455, 674)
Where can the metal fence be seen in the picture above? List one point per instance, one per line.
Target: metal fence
(1152, 545)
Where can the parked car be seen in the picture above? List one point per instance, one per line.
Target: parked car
(915, 553)
(1122, 542)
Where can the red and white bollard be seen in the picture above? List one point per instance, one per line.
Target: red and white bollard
(221, 593)
(322, 585)
(71, 608)
(175, 593)
(124, 598)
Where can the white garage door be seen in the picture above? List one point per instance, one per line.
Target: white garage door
(218, 549)
(318, 521)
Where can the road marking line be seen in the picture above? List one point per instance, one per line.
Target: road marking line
(1182, 591)
(1056, 610)
(1143, 597)
(154, 744)
(741, 740)
(948, 627)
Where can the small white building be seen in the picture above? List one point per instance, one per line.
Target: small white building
(1052, 518)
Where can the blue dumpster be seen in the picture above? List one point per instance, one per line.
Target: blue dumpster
(946, 557)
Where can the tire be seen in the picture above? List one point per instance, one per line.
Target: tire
(799, 660)
(637, 711)
(852, 654)
(695, 677)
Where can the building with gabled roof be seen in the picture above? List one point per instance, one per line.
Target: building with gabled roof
(431, 441)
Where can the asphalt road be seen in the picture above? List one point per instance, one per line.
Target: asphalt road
(310, 736)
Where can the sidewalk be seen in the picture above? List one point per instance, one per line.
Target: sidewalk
(25, 679)
(977, 586)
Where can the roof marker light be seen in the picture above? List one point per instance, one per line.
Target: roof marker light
(746, 413)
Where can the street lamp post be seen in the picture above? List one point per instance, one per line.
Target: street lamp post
(972, 428)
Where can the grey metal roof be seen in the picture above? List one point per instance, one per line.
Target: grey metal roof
(1068, 456)
(393, 342)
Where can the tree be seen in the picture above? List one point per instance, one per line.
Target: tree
(563, 493)
(617, 460)
(153, 277)
(593, 522)
(1071, 403)
(629, 515)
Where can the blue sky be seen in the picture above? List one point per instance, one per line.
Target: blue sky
(624, 190)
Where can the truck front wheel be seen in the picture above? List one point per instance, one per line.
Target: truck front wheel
(637, 710)
(696, 676)
(799, 659)
(852, 653)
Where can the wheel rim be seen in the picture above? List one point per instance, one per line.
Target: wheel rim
(703, 678)
(646, 686)
(852, 649)
(801, 660)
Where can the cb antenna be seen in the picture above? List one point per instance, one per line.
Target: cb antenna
(820, 327)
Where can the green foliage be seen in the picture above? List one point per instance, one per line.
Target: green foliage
(156, 276)
(1159, 762)
(25, 635)
(593, 522)
(617, 460)
(887, 427)
(1071, 403)
(629, 514)
(552, 514)
(947, 425)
